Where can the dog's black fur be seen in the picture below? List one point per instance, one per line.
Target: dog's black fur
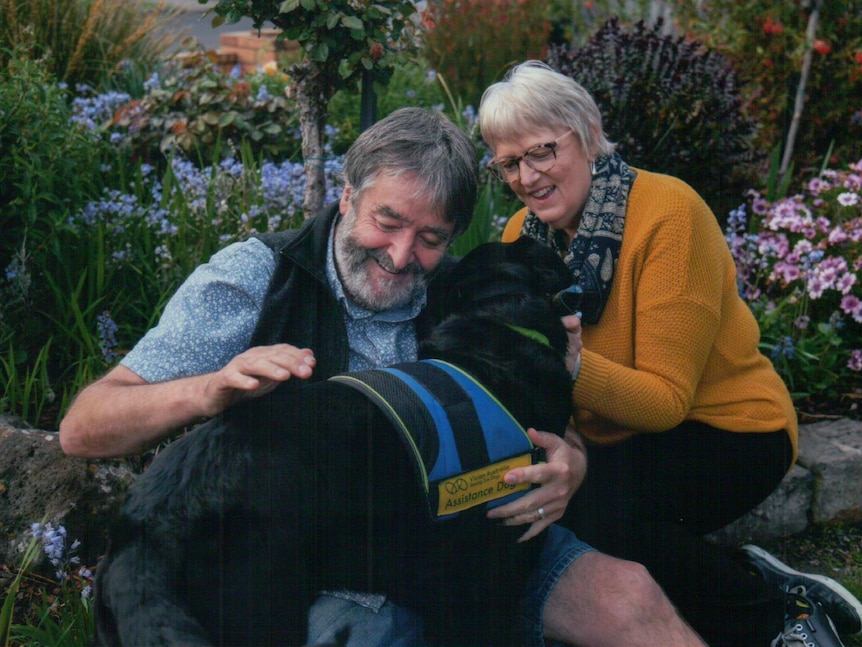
(231, 532)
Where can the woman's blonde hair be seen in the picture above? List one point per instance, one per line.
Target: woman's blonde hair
(533, 96)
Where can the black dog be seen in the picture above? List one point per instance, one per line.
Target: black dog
(229, 535)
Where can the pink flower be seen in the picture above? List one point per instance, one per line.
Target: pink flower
(760, 206)
(852, 306)
(845, 282)
(816, 286)
(786, 272)
(855, 363)
(837, 235)
(818, 185)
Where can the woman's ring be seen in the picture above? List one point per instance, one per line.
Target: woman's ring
(541, 512)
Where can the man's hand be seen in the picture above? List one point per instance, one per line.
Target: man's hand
(122, 414)
(559, 477)
(254, 373)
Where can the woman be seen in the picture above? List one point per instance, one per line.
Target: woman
(689, 426)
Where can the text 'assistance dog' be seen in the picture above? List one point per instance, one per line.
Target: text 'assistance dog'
(376, 481)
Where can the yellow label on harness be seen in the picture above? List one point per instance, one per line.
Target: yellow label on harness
(470, 489)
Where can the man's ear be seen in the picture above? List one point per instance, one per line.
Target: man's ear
(344, 203)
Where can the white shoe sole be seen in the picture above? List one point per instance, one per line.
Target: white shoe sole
(833, 585)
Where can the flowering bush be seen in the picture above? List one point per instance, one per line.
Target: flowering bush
(193, 107)
(798, 261)
(766, 42)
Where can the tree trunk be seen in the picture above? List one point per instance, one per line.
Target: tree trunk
(312, 98)
(799, 102)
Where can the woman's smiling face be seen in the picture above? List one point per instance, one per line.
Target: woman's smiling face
(558, 195)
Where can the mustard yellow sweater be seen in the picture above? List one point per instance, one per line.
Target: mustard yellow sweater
(675, 341)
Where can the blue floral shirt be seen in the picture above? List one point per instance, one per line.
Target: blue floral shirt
(211, 318)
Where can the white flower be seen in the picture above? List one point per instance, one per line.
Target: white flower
(848, 199)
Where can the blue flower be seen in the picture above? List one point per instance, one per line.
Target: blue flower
(784, 348)
(107, 329)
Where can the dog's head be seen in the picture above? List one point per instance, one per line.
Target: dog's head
(497, 321)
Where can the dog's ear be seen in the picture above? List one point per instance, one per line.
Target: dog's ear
(553, 275)
(491, 270)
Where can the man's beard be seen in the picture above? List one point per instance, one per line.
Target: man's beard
(353, 263)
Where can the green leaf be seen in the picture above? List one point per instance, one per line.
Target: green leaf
(352, 22)
(308, 5)
(288, 5)
(318, 52)
(212, 118)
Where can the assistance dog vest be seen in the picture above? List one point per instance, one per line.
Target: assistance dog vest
(460, 438)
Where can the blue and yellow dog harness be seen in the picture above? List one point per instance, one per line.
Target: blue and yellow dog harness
(460, 438)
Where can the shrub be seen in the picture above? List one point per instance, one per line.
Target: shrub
(798, 260)
(472, 42)
(671, 105)
(191, 106)
(765, 41)
(49, 167)
(87, 39)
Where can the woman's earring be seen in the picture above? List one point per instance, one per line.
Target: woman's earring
(592, 167)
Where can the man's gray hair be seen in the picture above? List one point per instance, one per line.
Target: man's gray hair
(533, 96)
(425, 145)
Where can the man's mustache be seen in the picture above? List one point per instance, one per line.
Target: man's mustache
(385, 261)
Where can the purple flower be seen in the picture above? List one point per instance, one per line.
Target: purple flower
(852, 306)
(107, 336)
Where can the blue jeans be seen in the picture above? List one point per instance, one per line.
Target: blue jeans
(372, 620)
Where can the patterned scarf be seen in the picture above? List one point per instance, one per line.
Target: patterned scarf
(594, 251)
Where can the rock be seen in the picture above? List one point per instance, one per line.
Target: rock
(783, 513)
(38, 479)
(832, 451)
(823, 486)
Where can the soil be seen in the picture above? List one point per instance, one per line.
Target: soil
(842, 405)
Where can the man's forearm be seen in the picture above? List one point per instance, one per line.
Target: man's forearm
(111, 419)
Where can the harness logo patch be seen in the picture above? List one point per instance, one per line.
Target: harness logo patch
(467, 490)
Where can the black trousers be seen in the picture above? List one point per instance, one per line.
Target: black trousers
(652, 497)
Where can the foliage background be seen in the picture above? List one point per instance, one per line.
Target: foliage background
(124, 168)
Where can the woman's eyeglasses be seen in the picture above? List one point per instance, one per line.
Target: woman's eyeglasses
(540, 158)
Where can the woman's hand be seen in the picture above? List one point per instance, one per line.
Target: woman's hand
(559, 478)
(573, 351)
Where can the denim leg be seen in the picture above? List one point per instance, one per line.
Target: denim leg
(562, 548)
(380, 624)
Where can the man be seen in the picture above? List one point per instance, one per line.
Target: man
(350, 284)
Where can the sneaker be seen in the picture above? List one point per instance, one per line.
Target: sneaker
(807, 625)
(842, 607)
